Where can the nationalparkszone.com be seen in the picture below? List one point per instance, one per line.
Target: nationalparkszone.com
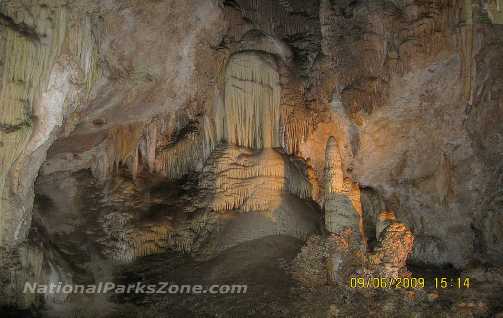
(137, 288)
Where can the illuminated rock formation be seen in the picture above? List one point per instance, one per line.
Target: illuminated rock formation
(395, 245)
(125, 241)
(384, 219)
(123, 147)
(329, 260)
(341, 197)
(251, 114)
(345, 243)
(334, 176)
(25, 72)
(246, 181)
(187, 153)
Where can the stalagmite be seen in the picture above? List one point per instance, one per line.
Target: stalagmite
(395, 246)
(342, 202)
(384, 219)
(334, 177)
(346, 242)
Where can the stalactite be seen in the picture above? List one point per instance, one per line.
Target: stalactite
(126, 241)
(300, 180)
(251, 112)
(158, 145)
(123, 144)
(186, 154)
(295, 129)
(150, 140)
(180, 158)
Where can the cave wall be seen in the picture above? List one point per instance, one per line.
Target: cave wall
(409, 75)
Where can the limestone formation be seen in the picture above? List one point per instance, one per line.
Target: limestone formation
(394, 247)
(340, 214)
(384, 219)
(333, 259)
(251, 113)
(334, 176)
(247, 181)
(309, 267)
(342, 202)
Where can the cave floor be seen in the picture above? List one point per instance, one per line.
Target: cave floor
(263, 266)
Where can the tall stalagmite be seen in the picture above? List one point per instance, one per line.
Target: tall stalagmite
(334, 177)
(341, 196)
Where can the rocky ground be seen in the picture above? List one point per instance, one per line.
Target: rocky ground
(263, 265)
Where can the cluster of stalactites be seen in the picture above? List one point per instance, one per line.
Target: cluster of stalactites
(141, 145)
(124, 242)
(141, 243)
(130, 241)
(123, 148)
(188, 153)
(250, 115)
(274, 17)
(295, 129)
